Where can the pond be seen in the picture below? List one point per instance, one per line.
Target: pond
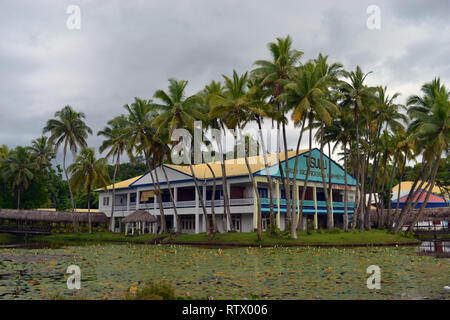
(109, 270)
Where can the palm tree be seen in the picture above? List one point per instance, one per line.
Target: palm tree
(233, 109)
(355, 94)
(139, 131)
(19, 168)
(117, 144)
(88, 172)
(68, 129)
(260, 109)
(177, 111)
(282, 66)
(309, 93)
(42, 152)
(430, 128)
(210, 91)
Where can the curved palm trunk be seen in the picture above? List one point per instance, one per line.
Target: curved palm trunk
(324, 181)
(373, 177)
(390, 218)
(269, 177)
(357, 207)
(200, 197)
(286, 181)
(18, 198)
(213, 210)
(157, 190)
(423, 176)
(226, 198)
(89, 207)
(400, 184)
(294, 225)
(424, 204)
(345, 190)
(70, 188)
(255, 189)
(380, 208)
(362, 204)
(111, 225)
(308, 169)
(174, 205)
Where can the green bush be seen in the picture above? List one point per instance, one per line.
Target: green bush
(154, 291)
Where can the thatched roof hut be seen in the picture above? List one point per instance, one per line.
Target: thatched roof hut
(140, 216)
(429, 214)
(52, 216)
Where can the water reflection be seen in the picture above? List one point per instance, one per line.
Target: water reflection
(438, 248)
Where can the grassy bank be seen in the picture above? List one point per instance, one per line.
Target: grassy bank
(96, 237)
(337, 237)
(324, 237)
(7, 238)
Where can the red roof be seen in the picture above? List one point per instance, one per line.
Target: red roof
(432, 198)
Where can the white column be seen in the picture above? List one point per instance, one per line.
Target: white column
(138, 198)
(128, 201)
(255, 208)
(229, 199)
(204, 200)
(277, 184)
(197, 216)
(316, 222)
(154, 204)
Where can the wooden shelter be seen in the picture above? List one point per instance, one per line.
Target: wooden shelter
(37, 221)
(142, 221)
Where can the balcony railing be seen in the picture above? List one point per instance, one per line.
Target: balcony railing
(187, 204)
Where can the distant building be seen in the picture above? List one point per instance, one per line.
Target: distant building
(138, 193)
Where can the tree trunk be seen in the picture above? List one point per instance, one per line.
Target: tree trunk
(287, 180)
(400, 184)
(175, 211)
(394, 168)
(70, 188)
(345, 190)
(213, 210)
(294, 225)
(300, 225)
(202, 202)
(356, 210)
(255, 189)
(18, 198)
(89, 207)
(226, 198)
(157, 191)
(424, 204)
(381, 200)
(324, 181)
(269, 177)
(111, 224)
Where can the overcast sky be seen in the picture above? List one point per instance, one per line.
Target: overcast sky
(127, 49)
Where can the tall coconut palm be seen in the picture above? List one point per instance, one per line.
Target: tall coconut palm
(69, 130)
(19, 168)
(309, 93)
(430, 128)
(139, 131)
(117, 144)
(89, 172)
(260, 109)
(283, 64)
(233, 109)
(215, 88)
(178, 111)
(41, 151)
(355, 92)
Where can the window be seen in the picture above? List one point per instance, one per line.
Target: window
(236, 221)
(132, 197)
(265, 219)
(188, 223)
(263, 193)
(106, 201)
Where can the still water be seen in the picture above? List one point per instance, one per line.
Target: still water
(109, 270)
